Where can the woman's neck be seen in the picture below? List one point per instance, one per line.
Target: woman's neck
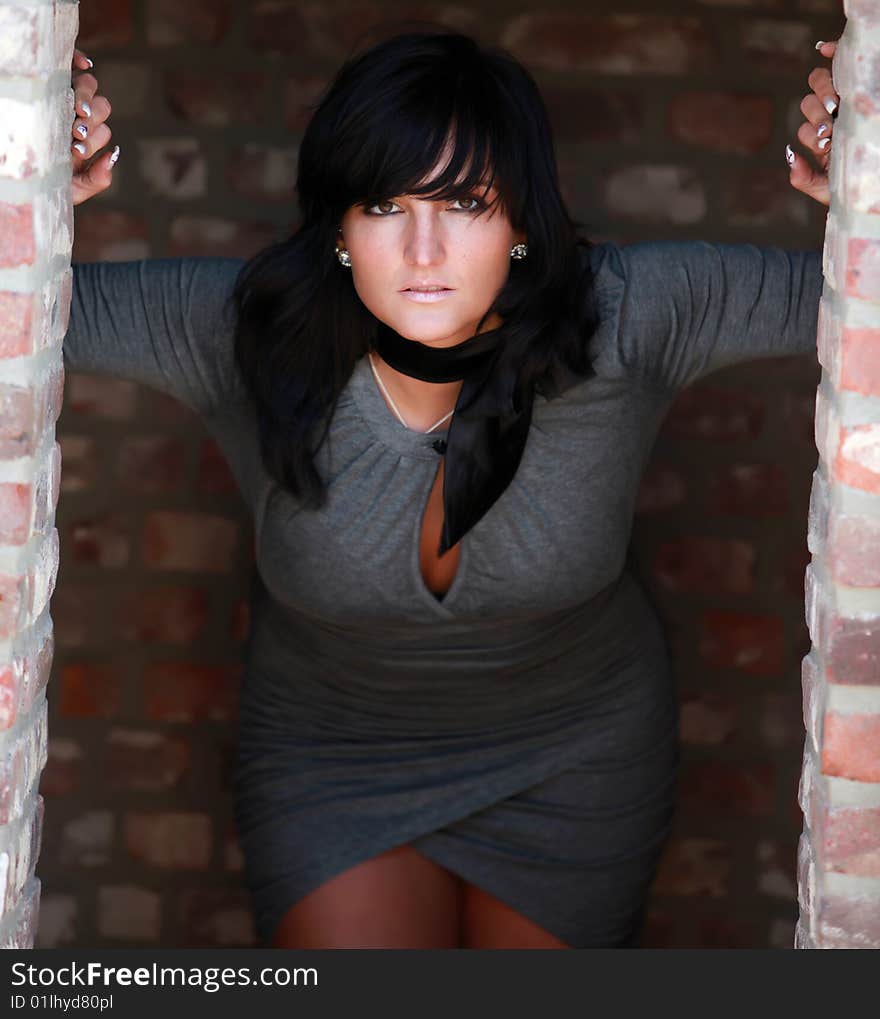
(420, 403)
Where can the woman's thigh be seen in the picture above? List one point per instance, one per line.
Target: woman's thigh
(398, 899)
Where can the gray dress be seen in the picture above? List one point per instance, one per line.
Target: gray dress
(521, 731)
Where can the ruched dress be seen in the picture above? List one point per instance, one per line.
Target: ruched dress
(522, 729)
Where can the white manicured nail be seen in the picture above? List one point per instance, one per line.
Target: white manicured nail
(87, 110)
(830, 104)
(90, 62)
(114, 155)
(823, 129)
(820, 44)
(824, 143)
(789, 155)
(80, 148)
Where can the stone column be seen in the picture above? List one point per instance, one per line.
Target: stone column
(839, 850)
(36, 226)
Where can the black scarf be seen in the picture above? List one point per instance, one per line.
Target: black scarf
(489, 426)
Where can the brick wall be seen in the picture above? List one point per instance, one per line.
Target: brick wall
(671, 121)
(36, 108)
(839, 853)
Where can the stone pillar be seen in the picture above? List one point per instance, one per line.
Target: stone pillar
(36, 227)
(839, 850)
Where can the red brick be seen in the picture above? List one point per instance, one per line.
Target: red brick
(611, 44)
(777, 46)
(753, 490)
(81, 463)
(746, 641)
(236, 97)
(655, 193)
(212, 235)
(708, 412)
(77, 613)
(706, 565)
(776, 871)
(863, 268)
(723, 787)
(90, 690)
(104, 24)
(723, 930)
(63, 771)
(692, 866)
(215, 476)
(851, 841)
(17, 241)
(780, 724)
(708, 719)
(13, 588)
(263, 172)
(849, 922)
(182, 692)
(145, 760)
(109, 235)
(860, 361)
(16, 503)
(189, 541)
(278, 26)
(100, 541)
(16, 323)
(221, 916)
(87, 840)
(152, 463)
(202, 22)
(129, 913)
(171, 840)
(755, 199)
(163, 615)
(595, 115)
(173, 168)
(857, 462)
(661, 488)
(853, 550)
(727, 122)
(851, 746)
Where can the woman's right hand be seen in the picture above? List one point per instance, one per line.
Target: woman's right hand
(90, 133)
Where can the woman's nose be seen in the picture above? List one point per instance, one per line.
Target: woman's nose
(423, 245)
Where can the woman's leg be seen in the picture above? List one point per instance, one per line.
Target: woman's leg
(399, 899)
(488, 922)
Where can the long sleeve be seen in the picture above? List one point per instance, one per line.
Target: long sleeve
(166, 323)
(673, 311)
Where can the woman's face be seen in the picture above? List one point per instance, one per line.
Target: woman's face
(405, 244)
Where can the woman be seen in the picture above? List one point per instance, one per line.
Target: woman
(458, 722)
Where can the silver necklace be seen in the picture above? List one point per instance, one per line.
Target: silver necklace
(394, 405)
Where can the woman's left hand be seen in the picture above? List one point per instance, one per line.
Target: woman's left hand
(820, 108)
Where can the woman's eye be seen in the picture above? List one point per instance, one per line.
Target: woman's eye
(469, 208)
(381, 207)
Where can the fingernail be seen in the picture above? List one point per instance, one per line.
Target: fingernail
(114, 155)
(83, 130)
(789, 155)
(80, 148)
(90, 62)
(823, 129)
(87, 110)
(824, 143)
(829, 104)
(820, 44)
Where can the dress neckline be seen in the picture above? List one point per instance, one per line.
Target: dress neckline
(382, 422)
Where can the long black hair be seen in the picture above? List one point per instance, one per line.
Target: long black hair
(378, 132)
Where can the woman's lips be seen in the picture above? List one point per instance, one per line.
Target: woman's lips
(427, 296)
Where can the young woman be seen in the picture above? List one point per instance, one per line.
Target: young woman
(458, 721)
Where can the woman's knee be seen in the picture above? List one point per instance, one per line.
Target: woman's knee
(399, 899)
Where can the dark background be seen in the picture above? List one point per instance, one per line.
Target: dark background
(671, 119)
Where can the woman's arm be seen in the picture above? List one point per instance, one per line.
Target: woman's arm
(674, 311)
(164, 322)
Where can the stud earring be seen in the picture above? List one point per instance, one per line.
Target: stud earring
(344, 257)
(519, 252)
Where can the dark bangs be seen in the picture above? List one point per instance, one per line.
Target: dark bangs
(419, 100)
